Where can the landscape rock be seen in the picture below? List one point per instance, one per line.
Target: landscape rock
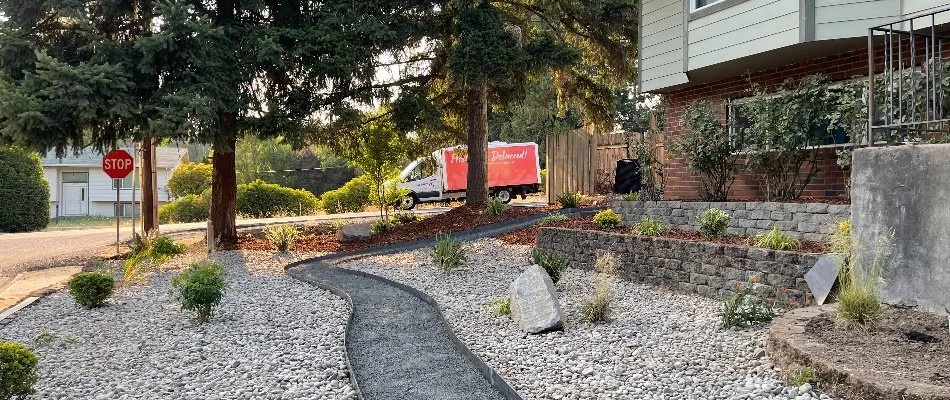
(354, 232)
(534, 305)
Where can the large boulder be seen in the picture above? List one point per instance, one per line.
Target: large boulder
(534, 305)
(352, 232)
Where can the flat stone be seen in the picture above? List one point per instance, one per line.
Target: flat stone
(354, 232)
(822, 276)
(534, 305)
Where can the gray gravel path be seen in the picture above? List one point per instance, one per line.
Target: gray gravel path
(397, 345)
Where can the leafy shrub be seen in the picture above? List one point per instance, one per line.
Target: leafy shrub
(493, 208)
(607, 219)
(352, 197)
(597, 307)
(859, 299)
(804, 375)
(18, 371)
(91, 289)
(282, 237)
(570, 200)
(841, 238)
(264, 200)
(552, 263)
(24, 192)
(403, 218)
(190, 208)
(200, 288)
(709, 149)
(652, 169)
(500, 307)
(448, 255)
(775, 240)
(650, 227)
(542, 187)
(714, 222)
(745, 309)
(552, 218)
(381, 226)
(163, 248)
(190, 179)
(148, 252)
(632, 196)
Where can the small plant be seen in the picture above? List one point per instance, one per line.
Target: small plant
(552, 218)
(745, 309)
(632, 196)
(380, 226)
(448, 255)
(859, 300)
(650, 227)
(608, 219)
(500, 307)
(403, 218)
(91, 289)
(164, 248)
(282, 237)
(493, 208)
(841, 238)
(200, 288)
(552, 263)
(775, 240)
(17, 371)
(804, 375)
(714, 222)
(44, 339)
(597, 307)
(148, 252)
(136, 268)
(570, 199)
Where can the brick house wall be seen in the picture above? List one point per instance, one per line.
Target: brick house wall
(830, 182)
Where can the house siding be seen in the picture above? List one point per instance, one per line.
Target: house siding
(837, 19)
(749, 28)
(662, 53)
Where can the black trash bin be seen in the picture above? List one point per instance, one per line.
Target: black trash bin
(628, 176)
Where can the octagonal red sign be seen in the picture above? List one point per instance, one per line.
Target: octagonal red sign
(118, 164)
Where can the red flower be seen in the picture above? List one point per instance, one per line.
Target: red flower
(755, 279)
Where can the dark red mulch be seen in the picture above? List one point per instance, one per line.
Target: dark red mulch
(525, 237)
(323, 239)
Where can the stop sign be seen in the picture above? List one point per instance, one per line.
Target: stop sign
(118, 164)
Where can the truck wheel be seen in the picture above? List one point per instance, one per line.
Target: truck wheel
(408, 202)
(503, 194)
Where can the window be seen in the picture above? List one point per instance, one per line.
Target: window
(75, 177)
(425, 169)
(697, 4)
(125, 183)
(125, 209)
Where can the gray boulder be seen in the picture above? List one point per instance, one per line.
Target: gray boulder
(534, 305)
(353, 232)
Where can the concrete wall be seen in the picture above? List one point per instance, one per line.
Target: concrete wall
(905, 190)
(810, 221)
(708, 269)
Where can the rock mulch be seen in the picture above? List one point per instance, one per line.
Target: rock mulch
(657, 344)
(272, 338)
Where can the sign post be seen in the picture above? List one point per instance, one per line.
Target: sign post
(118, 164)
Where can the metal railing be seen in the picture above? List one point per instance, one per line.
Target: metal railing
(909, 71)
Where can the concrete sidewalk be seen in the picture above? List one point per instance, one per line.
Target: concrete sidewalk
(33, 284)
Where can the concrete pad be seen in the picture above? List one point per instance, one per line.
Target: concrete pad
(25, 285)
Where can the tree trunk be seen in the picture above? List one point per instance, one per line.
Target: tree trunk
(148, 205)
(224, 186)
(476, 120)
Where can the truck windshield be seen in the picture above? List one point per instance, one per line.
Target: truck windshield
(419, 169)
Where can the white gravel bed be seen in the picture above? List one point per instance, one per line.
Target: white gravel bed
(657, 345)
(273, 337)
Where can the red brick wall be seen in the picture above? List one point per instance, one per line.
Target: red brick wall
(830, 181)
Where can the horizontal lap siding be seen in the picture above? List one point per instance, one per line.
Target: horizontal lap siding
(752, 27)
(662, 53)
(836, 19)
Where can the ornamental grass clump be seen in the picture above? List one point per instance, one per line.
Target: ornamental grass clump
(448, 254)
(775, 240)
(744, 308)
(148, 252)
(650, 227)
(859, 300)
(200, 288)
(552, 263)
(18, 371)
(607, 219)
(714, 222)
(91, 289)
(282, 237)
(552, 218)
(597, 307)
(570, 199)
(494, 207)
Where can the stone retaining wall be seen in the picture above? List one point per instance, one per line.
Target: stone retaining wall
(709, 269)
(810, 221)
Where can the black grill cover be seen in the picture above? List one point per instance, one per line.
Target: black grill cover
(628, 176)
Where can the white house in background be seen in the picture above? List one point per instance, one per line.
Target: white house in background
(78, 186)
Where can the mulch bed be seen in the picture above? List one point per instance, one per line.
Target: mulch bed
(322, 238)
(825, 200)
(913, 345)
(529, 236)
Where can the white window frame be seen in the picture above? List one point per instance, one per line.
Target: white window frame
(131, 207)
(120, 183)
(693, 8)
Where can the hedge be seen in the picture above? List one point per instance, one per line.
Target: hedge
(263, 200)
(190, 178)
(191, 208)
(24, 192)
(352, 197)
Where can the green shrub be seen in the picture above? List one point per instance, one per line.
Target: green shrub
(552, 263)
(381, 226)
(200, 288)
(352, 197)
(148, 252)
(282, 237)
(403, 218)
(91, 289)
(24, 192)
(745, 309)
(500, 307)
(775, 240)
(18, 371)
(597, 307)
(544, 181)
(632, 196)
(493, 208)
(607, 219)
(448, 255)
(191, 208)
(650, 227)
(552, 218)
(570, 200)
(803, 376)
(190, 179)
(260, 199)
(163, 248)
(709, 149)
(841, 238)
(714, 222)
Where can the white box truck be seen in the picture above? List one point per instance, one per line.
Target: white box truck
(513, 169)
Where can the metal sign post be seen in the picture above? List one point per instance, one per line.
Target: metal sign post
(116, 183)
(118, 164)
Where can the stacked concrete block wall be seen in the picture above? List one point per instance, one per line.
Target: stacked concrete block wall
(705, 268)
(810, 221)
